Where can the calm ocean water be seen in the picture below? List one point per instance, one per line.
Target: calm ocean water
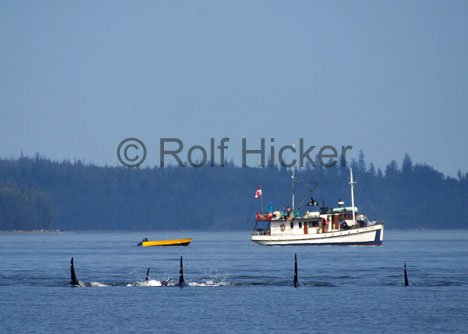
(234, 285)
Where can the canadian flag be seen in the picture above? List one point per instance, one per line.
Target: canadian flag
(258, 193)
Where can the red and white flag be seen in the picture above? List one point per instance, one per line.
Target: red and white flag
(258, 193)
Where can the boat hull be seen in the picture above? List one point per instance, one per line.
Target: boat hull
(163, 243)
(370, 235)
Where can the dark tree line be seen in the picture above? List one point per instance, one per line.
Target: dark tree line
(37, 193)
(25, 209)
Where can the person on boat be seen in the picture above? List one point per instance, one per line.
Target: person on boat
(271, 209)
(327, 223)
(312, 202)
(344, 225)
(288, 212)
(142, 241)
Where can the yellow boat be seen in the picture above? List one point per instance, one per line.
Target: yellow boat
(174, 242)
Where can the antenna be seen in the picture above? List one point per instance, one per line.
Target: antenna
(352, 183)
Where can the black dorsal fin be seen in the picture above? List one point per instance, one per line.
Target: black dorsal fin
(147, 275)
(74, 280)
(181, 274)
(296, 283)
(406, 276)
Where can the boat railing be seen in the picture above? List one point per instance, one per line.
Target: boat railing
(373, 222)
(260, 231)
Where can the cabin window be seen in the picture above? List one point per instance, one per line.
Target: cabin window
(300, 224)
(292, 224)
(311, 224)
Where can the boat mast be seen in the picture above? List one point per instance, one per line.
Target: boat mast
(293, 187)
(293, 179)
(352, 183)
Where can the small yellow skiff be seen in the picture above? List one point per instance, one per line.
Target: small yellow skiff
(174, 242)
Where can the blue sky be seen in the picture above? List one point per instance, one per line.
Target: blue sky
(388, 77)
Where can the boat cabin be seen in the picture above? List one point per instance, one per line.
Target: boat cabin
(313, 222)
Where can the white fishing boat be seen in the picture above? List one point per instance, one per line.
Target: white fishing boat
(326, 226)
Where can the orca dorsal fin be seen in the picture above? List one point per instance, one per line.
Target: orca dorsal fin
(296, 282)
(74, 280)
(406, 275)
(147, 275)
(181, 274)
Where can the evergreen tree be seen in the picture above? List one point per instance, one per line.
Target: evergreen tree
(407, 165)
(391, 169)
(379, 173)
(361, 162)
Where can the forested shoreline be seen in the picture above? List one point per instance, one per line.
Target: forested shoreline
(38, 193)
